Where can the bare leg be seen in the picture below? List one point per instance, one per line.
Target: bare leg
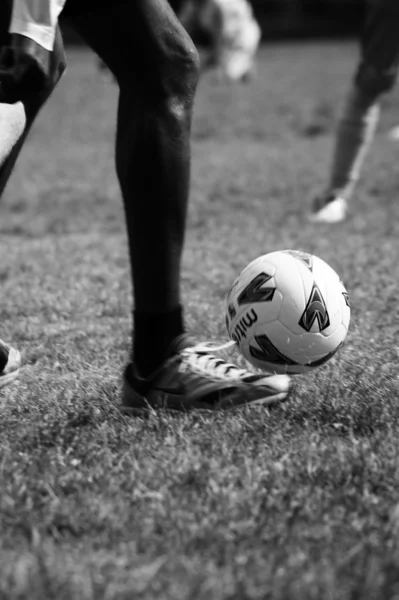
(152, 155)
(157, 67)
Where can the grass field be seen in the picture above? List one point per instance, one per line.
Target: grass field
(296, 503)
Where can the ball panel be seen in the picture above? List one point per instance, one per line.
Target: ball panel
(280, 351)
(263, 354)
(304, 347)
(250, 272)
(338, 305)
(321, 268)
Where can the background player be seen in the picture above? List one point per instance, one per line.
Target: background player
(225, 31)
(375, 75)
(153, 167)
(229, 32)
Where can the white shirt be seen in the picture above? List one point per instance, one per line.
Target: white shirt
(238, 18)
(36, 19)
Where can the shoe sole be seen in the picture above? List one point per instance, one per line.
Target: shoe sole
(145, 408)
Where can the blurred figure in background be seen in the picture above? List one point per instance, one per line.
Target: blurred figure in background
(375, 75)
(226, 32)
(229, 32)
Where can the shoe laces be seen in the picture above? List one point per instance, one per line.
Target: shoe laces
(202, 361)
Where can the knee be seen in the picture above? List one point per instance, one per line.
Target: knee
(179, 79)
(182, 73)
(373, 82)
(169, 76)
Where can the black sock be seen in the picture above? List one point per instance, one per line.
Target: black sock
(153, 334)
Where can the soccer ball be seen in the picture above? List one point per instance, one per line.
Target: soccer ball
(288, 312)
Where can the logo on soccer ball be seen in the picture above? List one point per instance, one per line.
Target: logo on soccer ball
(267, 352)
(254, 292)
(232, 311)
(346, 297)
(302, 256)
(241, 328)
(316, 309)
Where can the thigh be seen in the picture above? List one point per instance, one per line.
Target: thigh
(137, 37)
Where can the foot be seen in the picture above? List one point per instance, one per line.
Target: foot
(192, 378)
(328, 209)
(11, 368)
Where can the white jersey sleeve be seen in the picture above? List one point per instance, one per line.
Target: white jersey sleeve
(36, 19)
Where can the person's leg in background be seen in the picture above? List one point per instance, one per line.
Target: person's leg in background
(375, 76)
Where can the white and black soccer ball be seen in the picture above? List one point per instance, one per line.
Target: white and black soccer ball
(288, 312)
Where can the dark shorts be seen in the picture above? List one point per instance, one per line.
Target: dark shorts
(379, 63)
(58, 58)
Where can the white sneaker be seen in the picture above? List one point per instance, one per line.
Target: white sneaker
(327, 210)
(192, 378)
